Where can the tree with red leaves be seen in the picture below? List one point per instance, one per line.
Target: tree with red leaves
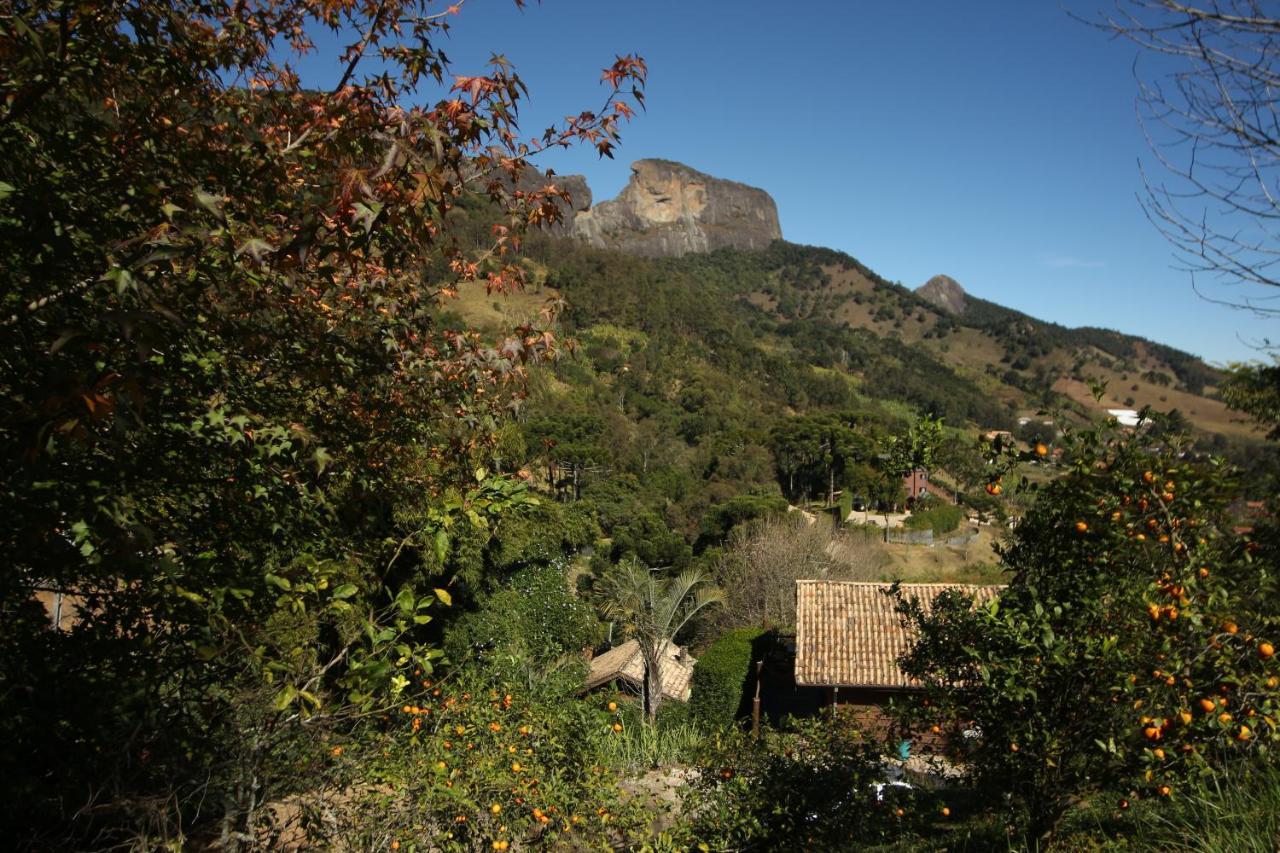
(238, 440)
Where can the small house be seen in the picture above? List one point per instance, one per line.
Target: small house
(624, 665)
(915, 483)
(849, 638)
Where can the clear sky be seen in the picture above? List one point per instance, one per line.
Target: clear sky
(996, 142)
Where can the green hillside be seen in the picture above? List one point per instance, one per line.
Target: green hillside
(685, 370)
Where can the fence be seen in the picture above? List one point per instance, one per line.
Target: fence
(925, 537)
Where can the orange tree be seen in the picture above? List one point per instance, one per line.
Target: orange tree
(234, 431)
(1133, 647)
(490, 758)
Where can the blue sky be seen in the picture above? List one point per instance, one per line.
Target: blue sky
(996, 142)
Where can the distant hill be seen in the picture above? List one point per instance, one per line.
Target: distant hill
(687, 370)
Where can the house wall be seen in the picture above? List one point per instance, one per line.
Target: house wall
(869, 707)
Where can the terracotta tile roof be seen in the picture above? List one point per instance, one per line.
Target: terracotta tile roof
(848, 634)
(624, 663)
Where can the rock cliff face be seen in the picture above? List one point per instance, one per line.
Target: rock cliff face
(944, 292)
(668, 210)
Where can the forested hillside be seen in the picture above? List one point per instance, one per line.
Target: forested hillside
(699, 387)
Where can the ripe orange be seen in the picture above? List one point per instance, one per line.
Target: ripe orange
(1204, 572)
(1207, 705)
(1224, 717)
(1230, 627)
(617, 727)
(1243, 734)
(1148, 477)
(937, 730)
(1158, 753)
(1164, 790)
(495, 809)
(899, 812)
(1265, 650)
(1013, 747)
(1081, 527)
(1273, 682)
(395, 844)
(1041, 449)
(1152, 733)
(946, 812)
(613, 706)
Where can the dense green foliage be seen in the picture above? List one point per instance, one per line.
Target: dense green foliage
(534, 616)
(721, 677)
(939, 517)
(807, 787)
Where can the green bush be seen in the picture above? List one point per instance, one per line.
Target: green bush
(720, 676)
(487, 757)
(536, 615)
(810, 787)
(940, 518)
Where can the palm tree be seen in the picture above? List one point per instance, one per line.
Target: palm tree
(652, 610)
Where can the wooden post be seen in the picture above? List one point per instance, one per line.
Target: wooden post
(755, 704)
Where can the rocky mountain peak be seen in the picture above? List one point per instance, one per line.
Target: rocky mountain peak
(944, 292)
(668, 209)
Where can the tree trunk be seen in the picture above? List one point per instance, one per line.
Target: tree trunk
(652, 686)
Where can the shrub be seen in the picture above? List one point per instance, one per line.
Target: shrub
(720, 677)
(806, 788)
(488, 758)
(939, 517)
(536, 615)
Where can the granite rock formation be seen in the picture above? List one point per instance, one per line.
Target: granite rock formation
(943, 292)
(668, 209)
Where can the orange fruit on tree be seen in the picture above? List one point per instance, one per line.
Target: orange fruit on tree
(495, 809)
(1265, 650)
(946, 812)
(617, 727)
(1243, 734)
(1041, 449)
(1164, 790)
(613, 706)
(1148, 477)
(1158, 753)
(1081, 527)
(1207, 705)
(1230, 627)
